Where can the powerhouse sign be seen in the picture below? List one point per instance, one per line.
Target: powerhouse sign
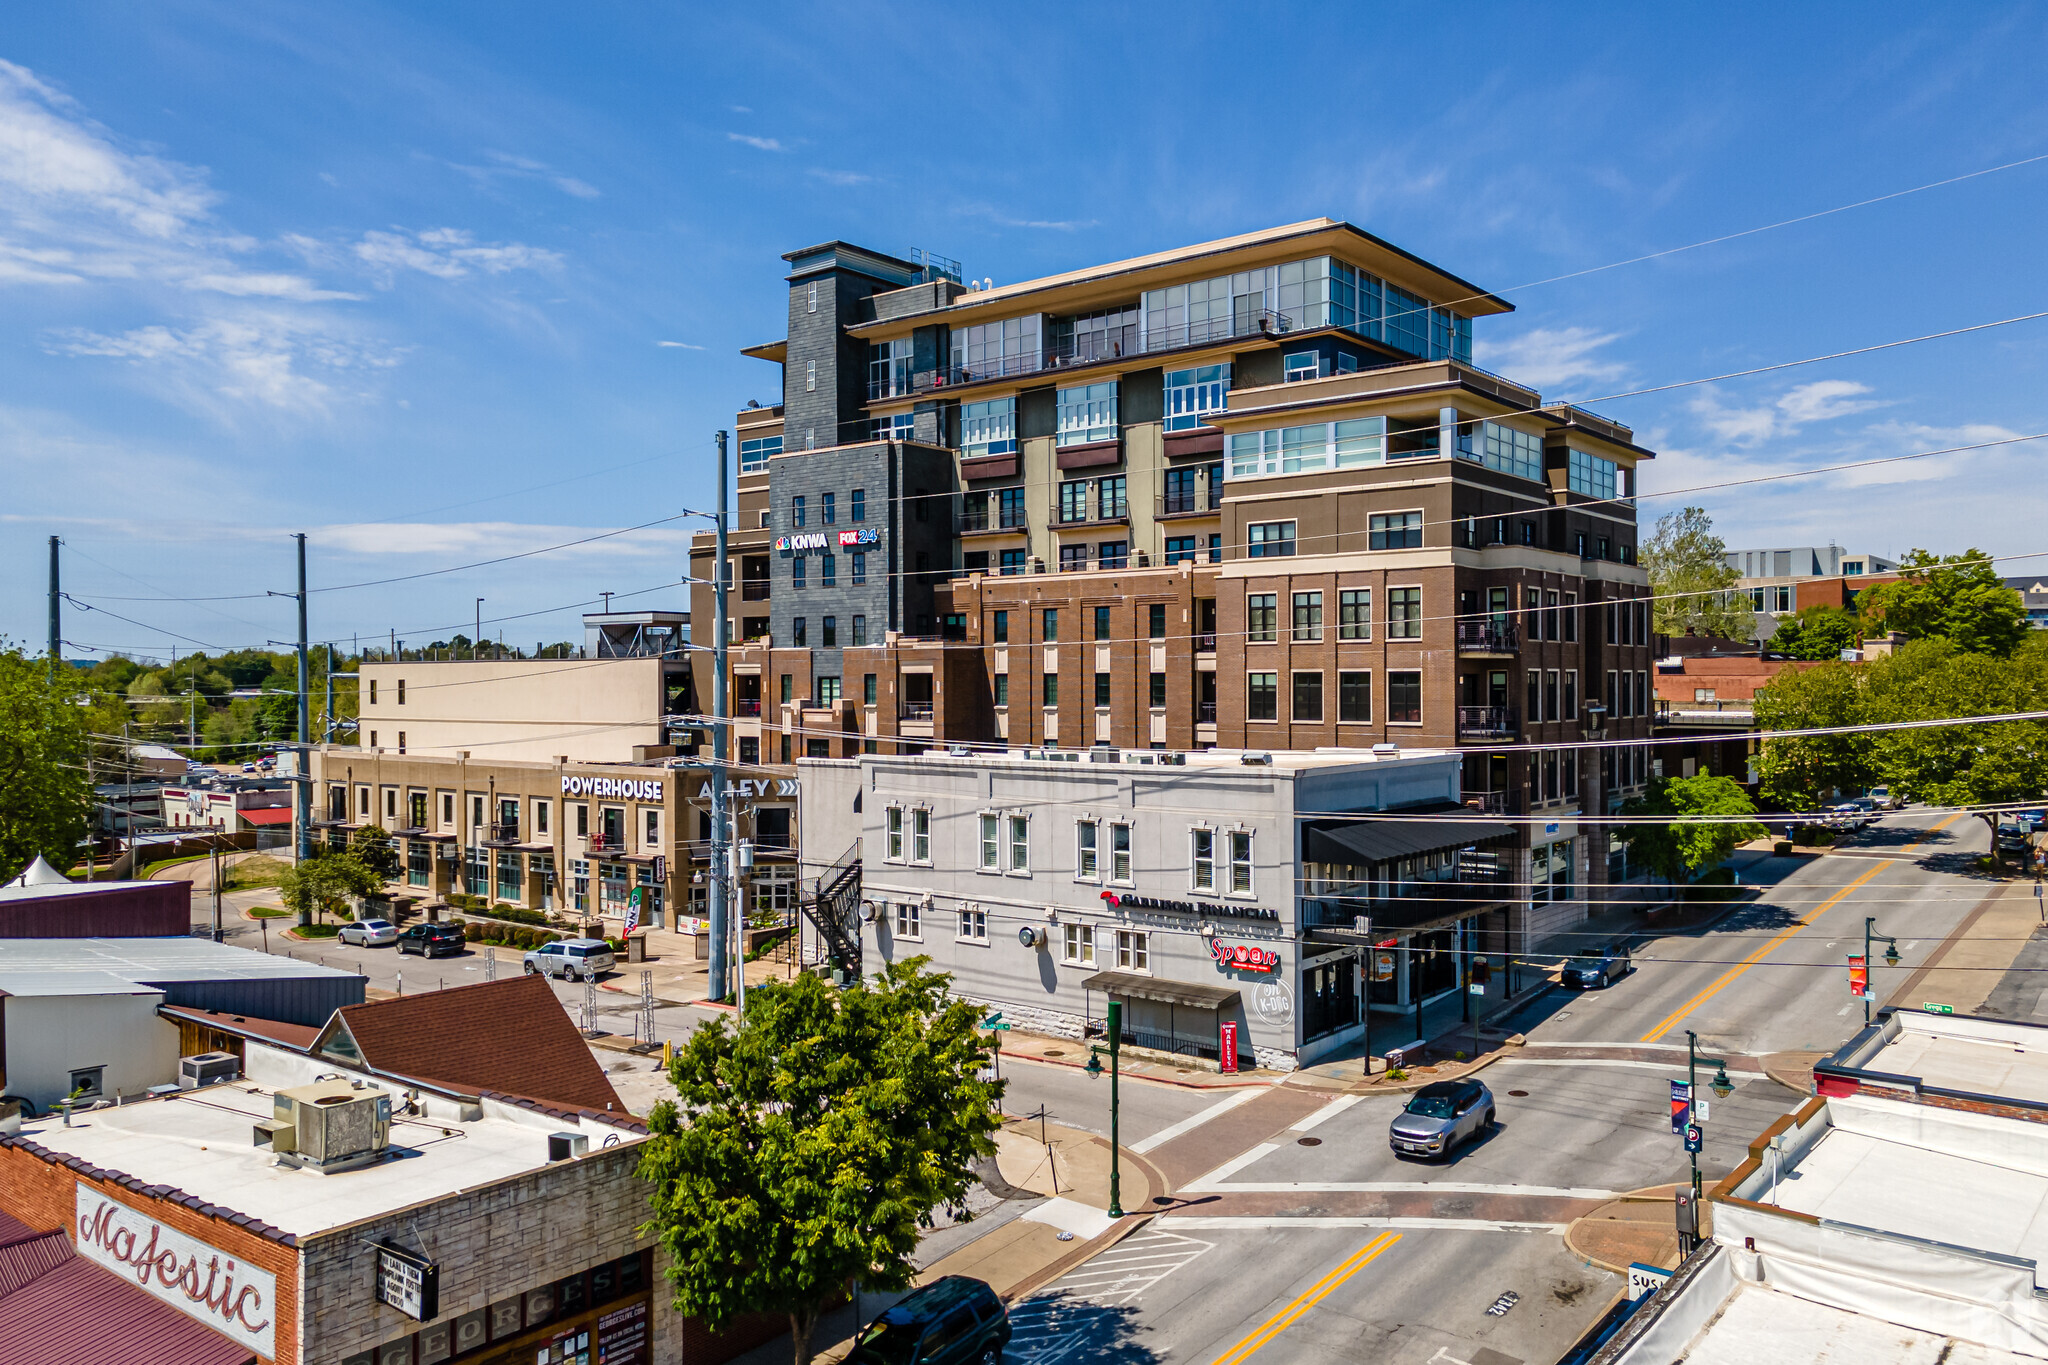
(198, 1280)
(619, 788)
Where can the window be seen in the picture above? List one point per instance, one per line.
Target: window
(858, 511)
(991, 842)
(651, 837)
(540, 817)
(1158, 691)
(999, 627)
(1404, 613)
(1535, 708)
(1050, 625)
(1131, 954)
(828, 509)
(1614, 697)
(826, 690)
(810, 376)
(373, 691)
(974, 924)
(755, 454)
(909, 919)
(812, 305)
(1591, 475)
(1354, 697)
(830, 624)
(1395, 531)
(1240, 861)
(1112, 497)
(1102, 623)
(796, 511)
(1051, 691)
(1087, 413)
(1550, 681)
(1262, 696)
(1010, 508)
(988, 428)
(1113, 554)
(1510, 451)
(750, 749)
(796, 574)
(1550, 615)
(1012, 562)
(582, 820)
(1308, 698)
(895, 835)
(1269, 539)
(860, 567)
(1308, 617)
(1180, 550)
(401, 689)
(1073, 503)
(1299, 450)
(1020, 843)
(1190, 394)
(1086, 867)
(1155, 621)
(1301, 365)
(1073, 558)
(860, 629)
(1002, 690)
(1404, 697)
(920, 835)
(1120, 854)
(1012, 346)
(1102, 689)
(1570, 616)
(867, 686)
(1202, 860)
(1354, 614)
(1571, 694)
(1078, 944)
(788, 686)
(1261, 612)
(785, 750)
(797, 631)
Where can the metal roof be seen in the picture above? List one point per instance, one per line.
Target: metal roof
(1377, 841)
(1135, 987)
(87, 966)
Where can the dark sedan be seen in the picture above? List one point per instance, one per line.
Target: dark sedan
(1593, 971)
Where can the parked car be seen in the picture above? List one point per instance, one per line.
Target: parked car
(579, 959)
(2012, 838)
(1441, 1116)
(1886, 800)
(369, 933)
(432, 940)
(2030, 820)
(951, 1321)
(1850, 816)
(248, 767)
(1591, 971)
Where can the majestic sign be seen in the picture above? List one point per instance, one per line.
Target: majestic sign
(408, 1282)
(866, 535)
(622, 788)
(198, 1280)
(755, 787)
(1245, 957)
(1205, 909)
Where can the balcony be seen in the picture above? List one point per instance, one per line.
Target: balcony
(501, 832)
(1090, 512)
(1205, 713)
(1408, 905)
(1488, 637)
(914, 710)
(601, 842)
(1205, 644)
(753, 590)
(1486, 722)
(747, 707)
(977, 517)
(1188, 504)
(1263, 322)
(1494, 803)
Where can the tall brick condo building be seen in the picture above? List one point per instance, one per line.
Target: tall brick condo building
(1250, 493)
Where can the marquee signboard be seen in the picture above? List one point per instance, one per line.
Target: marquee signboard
(199, 1280)
(1205, 909)
(1244, 957)
(408, 1282)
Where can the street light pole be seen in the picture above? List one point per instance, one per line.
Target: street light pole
(721, 875)
(477, 640)
(1891, 959)
(1722, 1087)
(1116, 1019)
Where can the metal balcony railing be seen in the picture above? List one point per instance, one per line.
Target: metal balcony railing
(1486, 722)
(753, 590)
(1494, 803)
(601, 842)
(747, 706)
(1488, 637)
(1205, 644)
(501, 832)
(1205, 713)
(1262, 322)
(914, 710)
(1090, 511)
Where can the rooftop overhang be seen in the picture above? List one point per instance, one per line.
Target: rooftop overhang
(777, 351)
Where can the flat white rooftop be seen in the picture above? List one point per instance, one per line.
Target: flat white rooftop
(1762, 1326)
(1983, 1056)
(202, 1142)
(31, 966)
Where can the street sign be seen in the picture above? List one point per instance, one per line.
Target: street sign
(1226, 1050)
(1699, 1110)
(997, 1028)
(661, 867)
(1938, 1009)
(1681, 1105)
(1694, 1137)
(1477, 988)
(993, 1020)
(1644, 1280)
(1859, 978)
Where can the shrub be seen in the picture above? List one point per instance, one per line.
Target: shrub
(472, 931)
(1399, 1073)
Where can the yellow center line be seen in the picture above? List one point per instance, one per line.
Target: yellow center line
(1309, 1298)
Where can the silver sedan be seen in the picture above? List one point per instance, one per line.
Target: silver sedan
(369, 933)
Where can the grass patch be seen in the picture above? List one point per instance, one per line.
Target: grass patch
(315, 931)
(151, 869)
(256, 870)
(269, 912)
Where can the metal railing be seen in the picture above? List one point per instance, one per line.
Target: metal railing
(1090, 511)
(1205, 643)
(1494, 803)
(501, 832)
(979, 512)
(747, 706)
(753, 590)
(1486, 722)
(914, 710)
(1488, 637)
(600, 842)
(1263, 322)
(1205, 713)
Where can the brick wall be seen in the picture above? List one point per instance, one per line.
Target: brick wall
(43, 1194)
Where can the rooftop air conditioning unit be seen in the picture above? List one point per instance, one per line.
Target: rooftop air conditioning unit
(327, 1126)
(563, 1146)
(208, 1068)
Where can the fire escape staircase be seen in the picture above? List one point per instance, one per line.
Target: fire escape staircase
(834, 907)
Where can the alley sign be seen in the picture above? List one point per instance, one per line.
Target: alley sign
(1681, 1105)
(754, 788)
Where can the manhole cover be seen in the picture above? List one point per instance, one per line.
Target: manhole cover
(1309, 1142)
(1519, 1094)
(1053, 1052)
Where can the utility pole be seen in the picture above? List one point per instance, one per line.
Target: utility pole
(1891, 958)
(476, 641)
(1115, 1022)
(721, 926)
(56, 626)
(302, 784)
(327, 721)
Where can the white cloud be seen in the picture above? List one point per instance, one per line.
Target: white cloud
(569, 184)
(1823, 400)
(765, 144)
(680, 345)
(270, 286)
(989, 212)
(484, 539)
(446, 253)
(844, 179)
(525, 167)
(1547, 357)
(739, 108)
(268, 361)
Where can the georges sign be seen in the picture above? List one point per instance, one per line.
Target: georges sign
(624, 788)
(198, 1280)
(1206, 909)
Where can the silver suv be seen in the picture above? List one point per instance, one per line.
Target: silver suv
(579, 959)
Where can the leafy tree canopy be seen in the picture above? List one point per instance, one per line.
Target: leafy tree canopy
(1958, 598)
(45, 802)
(1801, 773)
(1701, 836)
(324, 884)
(1692, 579)
(813, 1142)
(1818, 632)
(375, 849)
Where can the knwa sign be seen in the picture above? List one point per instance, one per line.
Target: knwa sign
(198, 1280)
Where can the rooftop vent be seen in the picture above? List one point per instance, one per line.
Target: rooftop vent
(1385, 748)
(564, 1146)
(1256, 760)
(327, 1126)
(207, 1068)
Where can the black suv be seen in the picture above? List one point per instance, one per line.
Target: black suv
(432, 940)
(953, 1321)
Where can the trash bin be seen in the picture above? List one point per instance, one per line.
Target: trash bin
(636, 947)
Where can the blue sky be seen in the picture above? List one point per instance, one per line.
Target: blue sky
(436, 283)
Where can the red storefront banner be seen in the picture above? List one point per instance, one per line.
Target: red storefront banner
(1226, 1047)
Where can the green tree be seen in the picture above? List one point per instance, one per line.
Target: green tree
(324, 884)
(1817, 632)
(45, 801)
(1964, 765)
(1686, 825)
(814, 1141)
(1801, 773)
(375, 849)
(1692, 579)
(1958, 598)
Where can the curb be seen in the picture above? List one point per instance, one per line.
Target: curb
(1279, 1077)
(1079, 1256)
(1649, 1194)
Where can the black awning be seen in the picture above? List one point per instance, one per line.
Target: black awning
(1379, 839)
(1131, 986)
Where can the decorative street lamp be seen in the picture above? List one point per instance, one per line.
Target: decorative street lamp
(1116, 1019)
(1891, 958)
(1720, 1085)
